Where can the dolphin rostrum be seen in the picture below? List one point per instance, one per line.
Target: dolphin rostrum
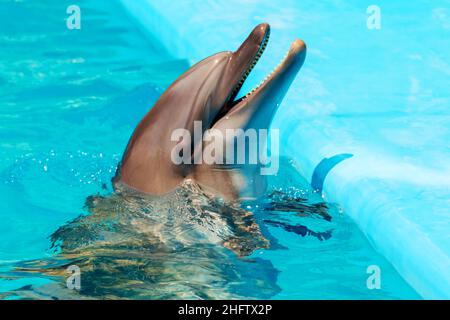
(206, 94)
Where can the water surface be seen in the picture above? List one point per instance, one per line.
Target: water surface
(69, 100)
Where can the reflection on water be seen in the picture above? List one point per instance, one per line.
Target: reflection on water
(186, 245)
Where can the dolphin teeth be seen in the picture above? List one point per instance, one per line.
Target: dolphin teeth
(270, 75)
(255, 60)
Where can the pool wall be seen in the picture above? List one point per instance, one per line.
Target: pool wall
(381, 95)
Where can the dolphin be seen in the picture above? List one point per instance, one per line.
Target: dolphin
(207, 93)
(163, 233)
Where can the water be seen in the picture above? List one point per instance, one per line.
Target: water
(69, 100)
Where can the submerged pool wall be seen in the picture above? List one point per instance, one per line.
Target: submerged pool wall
(381, 95)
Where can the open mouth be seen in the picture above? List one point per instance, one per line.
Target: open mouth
(258, 55)
(232, 102)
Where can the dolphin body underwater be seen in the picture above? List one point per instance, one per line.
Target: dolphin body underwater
(178, 231)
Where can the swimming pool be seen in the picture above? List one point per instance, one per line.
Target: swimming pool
(69, 102)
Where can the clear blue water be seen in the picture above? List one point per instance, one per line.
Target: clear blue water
(69, 100)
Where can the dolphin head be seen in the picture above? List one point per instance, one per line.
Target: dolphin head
(206, 92)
